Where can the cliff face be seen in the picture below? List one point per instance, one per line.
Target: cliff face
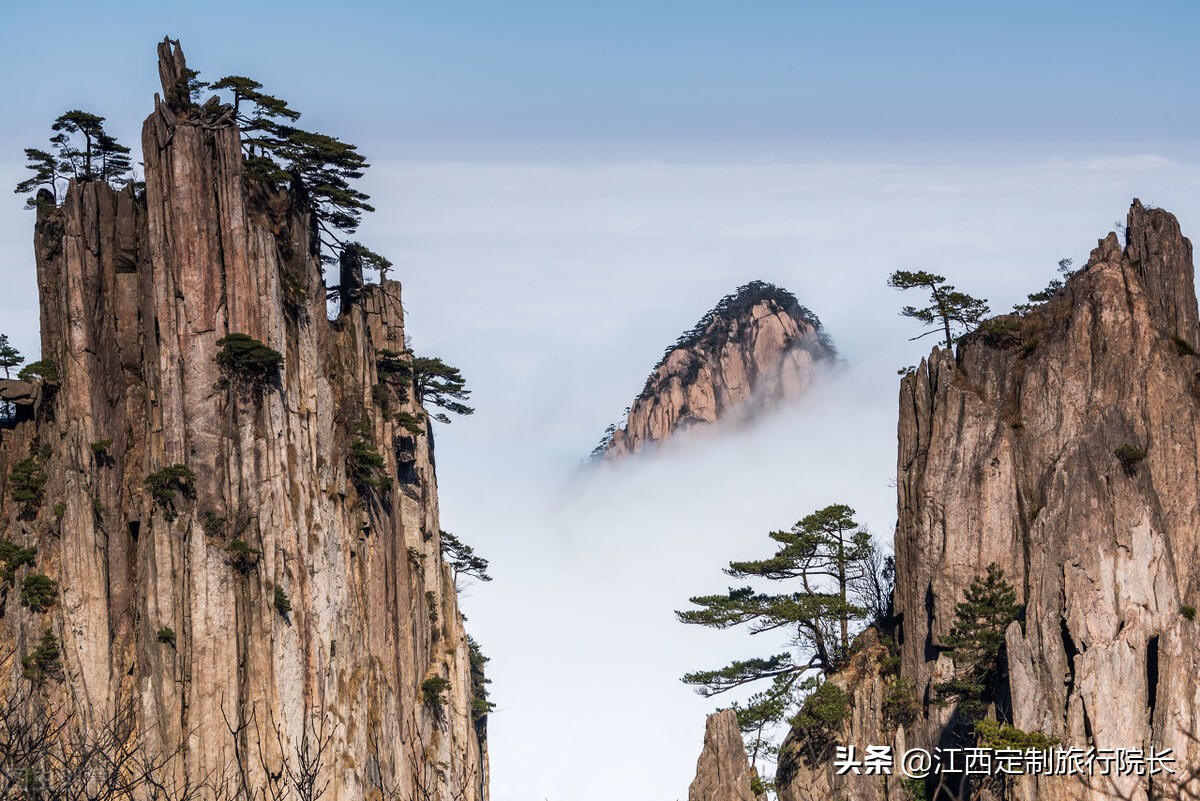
(169, 610)
(755, 350)
(1065, 447)
(723, 771)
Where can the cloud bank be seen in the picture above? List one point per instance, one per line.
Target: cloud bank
(556, 284)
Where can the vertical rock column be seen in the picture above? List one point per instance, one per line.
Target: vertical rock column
(172, 609)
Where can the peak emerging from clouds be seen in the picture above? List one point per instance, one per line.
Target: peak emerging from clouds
(755, 349)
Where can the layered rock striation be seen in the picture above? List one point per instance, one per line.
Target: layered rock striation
(1064, 446)
(723, 771)
(758, 348)
(249, 578)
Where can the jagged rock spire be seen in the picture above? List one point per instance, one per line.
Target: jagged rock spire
(723, 771)
(1061, 445)
(169, 623)
(173, 73)
(1162, 256)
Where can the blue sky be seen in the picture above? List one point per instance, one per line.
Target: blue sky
(565, 186)
(774, 71)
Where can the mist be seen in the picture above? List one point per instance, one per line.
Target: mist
(555, 286)
(587, 654)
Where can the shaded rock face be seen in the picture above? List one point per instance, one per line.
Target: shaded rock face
(1065, 447)
(723, 771)
(135, 294)
(757, 349)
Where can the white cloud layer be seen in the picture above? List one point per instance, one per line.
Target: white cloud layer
(555, 286)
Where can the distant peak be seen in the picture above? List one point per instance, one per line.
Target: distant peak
(755, 349)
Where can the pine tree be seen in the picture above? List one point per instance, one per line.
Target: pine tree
(947, 309)
(436, 382)
(194, 85)
(81, 149)
(462, 558)
(1038, 298)
(976, 643)
(90, 127)
(827, 558)
(369, 259)
(322, 166)
(47, 170)
(10, 357)
(826, 554)
(114, 159)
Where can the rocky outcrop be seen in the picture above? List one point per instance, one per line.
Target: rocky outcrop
(230, 584)
(17, 392)
(806, 772)
(1064, 446)
(723, 771)
(755, 350)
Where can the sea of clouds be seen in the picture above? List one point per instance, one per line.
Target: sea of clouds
(555, 284)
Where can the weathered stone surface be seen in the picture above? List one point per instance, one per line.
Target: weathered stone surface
(135, 293)
(1007, 454)
(17, 391)
(723, 771)
(805, 770)
(756, 353)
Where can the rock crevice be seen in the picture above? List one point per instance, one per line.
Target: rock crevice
(1064, 446)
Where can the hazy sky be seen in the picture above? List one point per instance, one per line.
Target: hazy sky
(565, 187)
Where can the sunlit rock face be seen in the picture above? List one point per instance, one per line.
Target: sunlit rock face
(167, 625)
(757, 349)
(1064, 446)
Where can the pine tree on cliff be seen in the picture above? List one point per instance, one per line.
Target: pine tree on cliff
(831, 563)
(113, 158)
(82, 149)
(10, 357)
(47, 170)
(462, 558)
(948, 308)
(1053, 288)
(438, 383)
(87, 125)
(369, 259)
(322, 166)
(976, 643)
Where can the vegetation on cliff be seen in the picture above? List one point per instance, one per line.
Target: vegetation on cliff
(713, 328)
(1055, 286)
(247, 363)
(835, 580)
(976, 644)
(462, 558)
(10, 357)
(80, 149)
(319, 170)
(948, 310)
